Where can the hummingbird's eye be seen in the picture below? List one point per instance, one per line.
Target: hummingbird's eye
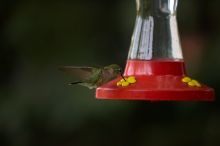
(118, 69)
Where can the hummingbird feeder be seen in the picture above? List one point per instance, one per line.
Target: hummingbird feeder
(155, 67)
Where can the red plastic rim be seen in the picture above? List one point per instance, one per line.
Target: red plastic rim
(156, 81)
(155, 67)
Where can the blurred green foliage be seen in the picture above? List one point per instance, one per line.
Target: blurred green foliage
(38, 108)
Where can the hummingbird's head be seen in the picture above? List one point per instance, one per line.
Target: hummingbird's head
(115, 68)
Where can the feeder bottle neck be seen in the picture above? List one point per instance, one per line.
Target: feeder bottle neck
(155, 34)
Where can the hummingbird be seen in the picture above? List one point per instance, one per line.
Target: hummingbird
(93, 77)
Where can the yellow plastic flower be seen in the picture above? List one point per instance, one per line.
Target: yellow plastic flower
(186, 79)
(191, 82)
(131, 79)
(118, 83)
(196, 83)
(126, 81)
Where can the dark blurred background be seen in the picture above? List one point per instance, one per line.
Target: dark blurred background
(38, 108)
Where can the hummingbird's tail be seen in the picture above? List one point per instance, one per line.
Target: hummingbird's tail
(76, 82)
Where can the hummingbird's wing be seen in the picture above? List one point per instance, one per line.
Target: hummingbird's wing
(83, 73)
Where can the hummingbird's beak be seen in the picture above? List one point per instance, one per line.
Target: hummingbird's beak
(122, 74)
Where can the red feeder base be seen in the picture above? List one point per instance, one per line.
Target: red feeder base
(156, 81)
